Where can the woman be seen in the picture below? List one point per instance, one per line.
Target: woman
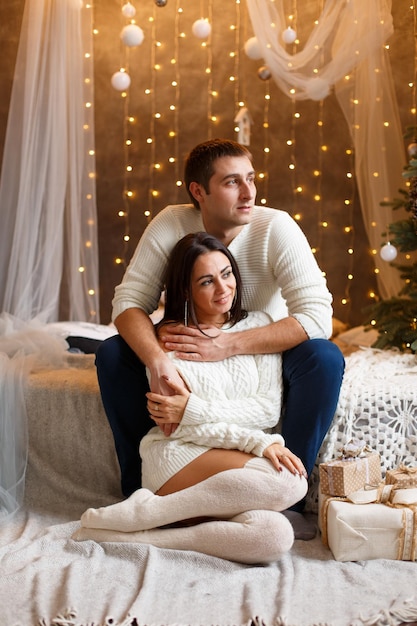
(217, 462)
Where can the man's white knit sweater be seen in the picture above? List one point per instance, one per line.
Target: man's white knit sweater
(279, 272)
(232, 403)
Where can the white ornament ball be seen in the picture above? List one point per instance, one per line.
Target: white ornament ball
(128, 10)
(201, 29)
(120, 81)
(132, 35)
(412, 150)
(289, 35)
(317, 88)
(388, 252)
(264, 73)
(253, 49)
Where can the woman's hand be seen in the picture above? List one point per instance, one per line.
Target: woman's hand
(280, 457)
(167, 411)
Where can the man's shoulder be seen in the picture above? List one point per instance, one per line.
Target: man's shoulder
(265, 213)
(267, 220)
(178, 218)
(177, 211)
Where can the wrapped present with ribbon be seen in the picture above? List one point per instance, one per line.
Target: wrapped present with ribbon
(356, 466)
(371, 523)
(403, 476)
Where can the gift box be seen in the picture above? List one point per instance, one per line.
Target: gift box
(343, 476)
(371, 524)
(403, 477)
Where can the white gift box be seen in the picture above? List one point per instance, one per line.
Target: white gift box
(365, 529)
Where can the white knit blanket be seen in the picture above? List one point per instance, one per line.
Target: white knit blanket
(46, 579)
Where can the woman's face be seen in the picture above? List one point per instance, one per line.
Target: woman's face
(213, 287)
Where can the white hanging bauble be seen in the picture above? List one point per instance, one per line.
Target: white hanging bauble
(388, 252)
(289, 35)
(120, 81)
(201, 29)
(264, 73)
(412, 150)
(317, 88)
(132, 35)
(253, 49)
(128, 10)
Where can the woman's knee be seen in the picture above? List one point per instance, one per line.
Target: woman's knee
(268, 535)
(289, 488)
(295, 490)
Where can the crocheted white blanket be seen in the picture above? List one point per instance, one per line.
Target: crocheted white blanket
(378, 405)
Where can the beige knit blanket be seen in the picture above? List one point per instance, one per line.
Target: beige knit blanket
(48, 579)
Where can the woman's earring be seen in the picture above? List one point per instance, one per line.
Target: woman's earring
(186, 313)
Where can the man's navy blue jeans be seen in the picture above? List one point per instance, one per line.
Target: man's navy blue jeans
(312, 373)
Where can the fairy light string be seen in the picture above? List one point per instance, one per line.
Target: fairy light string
(264, 175)
(175, 106)
(127, 194)
(89, 185)
(295, 116)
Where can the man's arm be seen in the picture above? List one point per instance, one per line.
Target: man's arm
(191, 345)
(136, 328)
(275, 337)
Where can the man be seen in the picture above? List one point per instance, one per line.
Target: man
(280, 276)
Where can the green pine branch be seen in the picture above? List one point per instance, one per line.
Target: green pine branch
(395, 319)
(408, 273)
(410, 170)
(396, 322)
(410, 132)
(404, 234)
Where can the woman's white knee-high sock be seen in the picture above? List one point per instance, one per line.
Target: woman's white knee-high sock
(222, 496)
(251, 537)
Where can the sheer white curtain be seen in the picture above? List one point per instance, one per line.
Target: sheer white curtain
(48, 236)
(348, 39)
(48, 231)
(24, 347)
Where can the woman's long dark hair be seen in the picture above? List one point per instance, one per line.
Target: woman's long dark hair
(178, 287)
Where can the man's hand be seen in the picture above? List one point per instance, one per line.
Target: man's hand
(190, 344)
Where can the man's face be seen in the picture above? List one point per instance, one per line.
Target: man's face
(228, 205)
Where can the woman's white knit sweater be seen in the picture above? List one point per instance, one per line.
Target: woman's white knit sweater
(279, 272)
(232, 402)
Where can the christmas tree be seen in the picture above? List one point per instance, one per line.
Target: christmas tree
(395, 319)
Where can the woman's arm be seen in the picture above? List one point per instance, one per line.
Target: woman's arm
(254, 405)
(221, 393)
(228, 437)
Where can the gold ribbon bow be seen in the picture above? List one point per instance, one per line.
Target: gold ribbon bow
(407, 470)
(354, 449)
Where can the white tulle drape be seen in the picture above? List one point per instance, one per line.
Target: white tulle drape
(345, 52)
(24, 347)
(48, 232)
(48, 235)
